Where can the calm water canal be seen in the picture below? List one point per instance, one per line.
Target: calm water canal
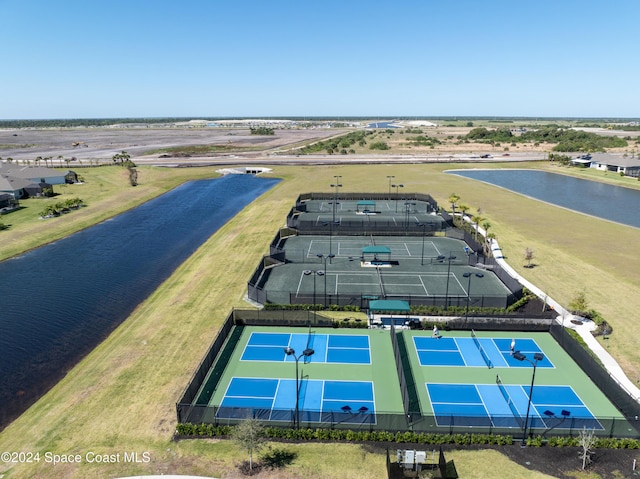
(60, 301)
(602, 200)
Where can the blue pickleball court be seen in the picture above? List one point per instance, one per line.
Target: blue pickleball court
(328, 348)
(271, 399)
(478, 352)
(500, 405)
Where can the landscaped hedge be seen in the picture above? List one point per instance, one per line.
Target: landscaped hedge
(307, 434)
(309, 307)
(187, 430)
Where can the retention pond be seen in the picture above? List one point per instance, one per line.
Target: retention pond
(609, 202)
(60, 301)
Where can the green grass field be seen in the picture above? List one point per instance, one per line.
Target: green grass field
(103, 403)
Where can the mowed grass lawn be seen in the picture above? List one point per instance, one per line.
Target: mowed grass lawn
(121, 398)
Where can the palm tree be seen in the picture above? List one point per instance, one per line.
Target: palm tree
(486, 225)
(453, 199)
(477, 219)
(463, 210)
(490, 238)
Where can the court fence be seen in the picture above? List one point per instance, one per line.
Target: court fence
(257, 292)
(206, 376)
(404, 391)
(405, 196)
(366, 225)
(362, 299)
(608, 384)
(193, 406)
(610, 427)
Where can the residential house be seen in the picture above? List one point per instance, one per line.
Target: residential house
(626, 165)
(22, 181)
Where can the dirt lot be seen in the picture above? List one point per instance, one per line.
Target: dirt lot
(103, 143)
(237, 146)
(88, 145)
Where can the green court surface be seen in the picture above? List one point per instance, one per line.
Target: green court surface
(380, 370)
(557, 369)
(400, 212)
(351, 380)
(383, 267)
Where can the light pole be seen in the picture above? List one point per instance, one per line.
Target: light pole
(306, 353)
(336, 185)
(423, 225)
(441, 258)
(521, 357)
(323, 257)
(390, 178)
(330, 224)
(307, 272)
(469, 275)
(407, 211)
(397, 187)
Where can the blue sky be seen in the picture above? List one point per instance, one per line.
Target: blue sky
(242, 58)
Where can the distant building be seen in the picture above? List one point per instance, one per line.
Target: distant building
(607, 162)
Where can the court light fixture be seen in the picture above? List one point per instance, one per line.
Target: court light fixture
(289, 351)
(521, 357)
(423, 226)
(315, 273)
(397, 187)
(441, 258)
(469, 275)
(323, 257)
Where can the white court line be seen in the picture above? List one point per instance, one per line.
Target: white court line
(484, 405)
(460, 284)
(309, 250)
(299, 283)
(425, 288)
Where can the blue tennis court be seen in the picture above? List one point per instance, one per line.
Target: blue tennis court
(478, 352)
(328, 348)
(320, 400)
(500, 405)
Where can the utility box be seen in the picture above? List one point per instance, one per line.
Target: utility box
(410, 459)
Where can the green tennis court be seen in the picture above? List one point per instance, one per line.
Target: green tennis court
(319, 269)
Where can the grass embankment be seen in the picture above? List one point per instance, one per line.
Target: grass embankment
(106, 192)
(121, 397)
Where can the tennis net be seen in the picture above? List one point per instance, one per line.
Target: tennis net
(384, 294)
(481, 349)
(310, 335)
(510, 403)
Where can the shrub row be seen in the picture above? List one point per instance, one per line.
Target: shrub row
(601, 443)
(423, 310)
(408, 437)
(307, 434)
(310, 307)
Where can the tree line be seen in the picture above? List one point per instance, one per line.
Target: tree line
(566, 139)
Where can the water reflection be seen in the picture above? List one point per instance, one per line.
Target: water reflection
(59, 301)
(602, 200)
